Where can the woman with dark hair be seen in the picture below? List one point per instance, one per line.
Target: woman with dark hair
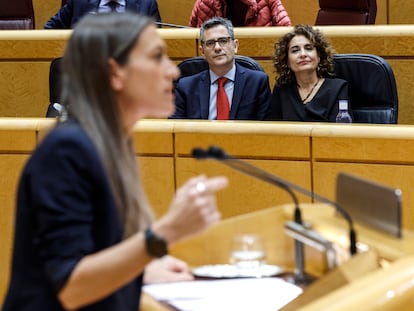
(305, 89)
(84, 230)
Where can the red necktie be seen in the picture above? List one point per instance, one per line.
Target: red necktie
(223, 107)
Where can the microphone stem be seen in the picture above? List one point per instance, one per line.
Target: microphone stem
(254, 171)
(300, 276)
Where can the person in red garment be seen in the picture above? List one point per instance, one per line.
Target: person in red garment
(241, 12)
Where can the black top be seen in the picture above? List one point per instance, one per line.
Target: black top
(65, 211)
(287, 104)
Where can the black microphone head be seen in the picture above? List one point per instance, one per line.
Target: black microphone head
(199, 153)
(216, 152)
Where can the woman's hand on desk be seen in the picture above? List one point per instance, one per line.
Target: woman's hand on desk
(167, 269)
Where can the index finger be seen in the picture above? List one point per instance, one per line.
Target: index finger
(215, 184)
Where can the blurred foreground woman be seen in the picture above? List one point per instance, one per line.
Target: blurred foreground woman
(84, 230)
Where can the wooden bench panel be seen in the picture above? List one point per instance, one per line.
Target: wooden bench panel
(245, 193)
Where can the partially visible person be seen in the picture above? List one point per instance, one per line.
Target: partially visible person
(84, 231)
(71, 12)
(241, 12)
(305, 89)
(247, 91)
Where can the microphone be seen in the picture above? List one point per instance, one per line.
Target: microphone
(216, 153)
(171, 25)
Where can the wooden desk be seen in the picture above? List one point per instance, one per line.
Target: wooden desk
(25, 57)
(377, 153)
(308, 154)
(284, 150)
(212, 247)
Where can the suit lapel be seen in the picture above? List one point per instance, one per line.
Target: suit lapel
(132, 5)
(92, 6)
(204, 100)
(239, 86)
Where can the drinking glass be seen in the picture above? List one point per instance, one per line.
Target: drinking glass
(248, 254)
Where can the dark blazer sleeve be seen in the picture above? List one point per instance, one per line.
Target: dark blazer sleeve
(264, 98)
(71, 13)
(153, 10)
(251, 97)
(287, 105)
(180, 101)
(63, 18)
(66, 181)
(275, 106)
(325, 105)
(192, 97)
(145, 7)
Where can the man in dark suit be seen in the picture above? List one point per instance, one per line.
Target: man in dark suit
(70, 13)
(247, 91)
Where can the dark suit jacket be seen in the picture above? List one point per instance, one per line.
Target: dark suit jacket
(288, 106)
(251, 97)
(73, 10)
(65, 211)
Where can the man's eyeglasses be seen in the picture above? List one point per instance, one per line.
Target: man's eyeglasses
(223, 41)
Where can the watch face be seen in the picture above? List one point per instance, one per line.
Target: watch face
(156, 246)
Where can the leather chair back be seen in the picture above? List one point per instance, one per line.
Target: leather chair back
(191, 66)
(16, 14)
(346, 12)
(372, 88)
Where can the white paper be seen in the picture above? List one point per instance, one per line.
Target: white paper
(264, 294)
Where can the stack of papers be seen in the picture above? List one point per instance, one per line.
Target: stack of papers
(264, 294)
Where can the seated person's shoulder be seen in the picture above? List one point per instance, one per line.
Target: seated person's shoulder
(335, 80)
(255, 74)
(193, 78)
(68, 133)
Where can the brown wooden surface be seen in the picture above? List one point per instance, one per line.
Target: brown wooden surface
(382, 290)
(17, 139)
(25, 58)
(308, 154)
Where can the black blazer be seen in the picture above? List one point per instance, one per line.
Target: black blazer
(73, 10)
(287, 104)
(251, 97)
(65, 211)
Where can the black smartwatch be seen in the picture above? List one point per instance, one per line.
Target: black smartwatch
(156, 246)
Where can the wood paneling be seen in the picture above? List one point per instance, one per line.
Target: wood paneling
(245, 193)
(403, 71)
(44, 10)
(25, 89)
(25, 58)
(286, 141)
(369, 151)
(307, 154)
(10, 168)
(154, 137)
(157, 174)
(396, 176)
(401, 11)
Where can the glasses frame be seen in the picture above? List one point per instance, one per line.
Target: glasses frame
(222, 41)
